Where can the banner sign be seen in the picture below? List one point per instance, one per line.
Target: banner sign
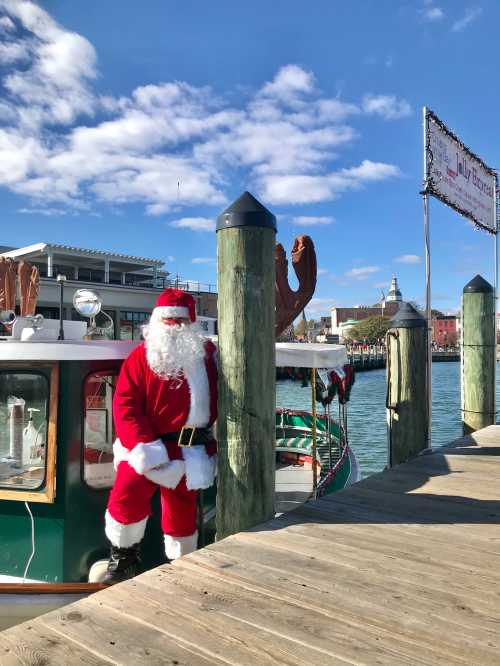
(457, 177)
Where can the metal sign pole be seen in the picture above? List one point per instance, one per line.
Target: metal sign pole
(427, 285)
(495, 286)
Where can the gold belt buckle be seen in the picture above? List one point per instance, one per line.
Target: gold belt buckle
(184, 434)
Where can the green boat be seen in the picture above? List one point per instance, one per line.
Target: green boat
(313, 457)
(56, 467)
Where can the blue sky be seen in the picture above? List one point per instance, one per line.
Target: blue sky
(129, 126)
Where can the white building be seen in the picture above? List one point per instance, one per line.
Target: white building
(128, 285)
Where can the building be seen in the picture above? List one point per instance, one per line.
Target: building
(394, 295)
(340, 316)
(445, 331)
(344, 318)
(128, 285)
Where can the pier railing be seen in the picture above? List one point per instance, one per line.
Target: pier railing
(371, 357)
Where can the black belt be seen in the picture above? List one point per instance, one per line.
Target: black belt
(189, 436)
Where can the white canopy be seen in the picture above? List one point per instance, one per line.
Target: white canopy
(288, 354)
(309, 355)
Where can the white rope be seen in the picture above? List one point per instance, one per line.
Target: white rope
(32, 542)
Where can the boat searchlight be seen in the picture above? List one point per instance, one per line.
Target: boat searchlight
(7, 317)
(88, 304)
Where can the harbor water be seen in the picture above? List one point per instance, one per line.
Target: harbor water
(367, 413)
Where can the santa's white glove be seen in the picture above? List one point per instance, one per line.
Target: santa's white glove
(167, 475)
(144, 457)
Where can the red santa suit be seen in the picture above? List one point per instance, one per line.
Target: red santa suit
(147, 406)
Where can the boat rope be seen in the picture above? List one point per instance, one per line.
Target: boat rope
(392, 408)
(32, 542)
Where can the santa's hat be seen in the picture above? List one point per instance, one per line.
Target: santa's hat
(175, 304)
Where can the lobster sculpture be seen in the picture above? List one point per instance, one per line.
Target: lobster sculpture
(290, 303)
(28, 278)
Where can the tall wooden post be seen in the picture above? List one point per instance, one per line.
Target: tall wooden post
(407, 410)
(247, 373)
(478, 355)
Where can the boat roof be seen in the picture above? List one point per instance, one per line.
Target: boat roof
(297, 355)
(66, 350)
(310, 355)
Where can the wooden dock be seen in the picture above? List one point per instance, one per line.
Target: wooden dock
(403, 568)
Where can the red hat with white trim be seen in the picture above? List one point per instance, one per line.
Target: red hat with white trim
(176, 304)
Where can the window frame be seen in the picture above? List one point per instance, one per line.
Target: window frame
(46, 494)
(106, 372)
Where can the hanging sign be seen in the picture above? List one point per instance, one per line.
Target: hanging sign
(457, 177)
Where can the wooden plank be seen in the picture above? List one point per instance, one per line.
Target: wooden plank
(119, 638)
(447, 509)
(421, 568)
(416, 542)
(471, 538)
(367, 608)
(464, 485)
(197, 616)
(323, 633)
(30, 644)
(435, 462)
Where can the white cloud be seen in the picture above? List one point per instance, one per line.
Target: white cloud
(320, 306)
(311, 221)
(408, 259)
(471, 14)
(203, 260)
(388, 107)
(289, 82)
(302, 189)
(6, 24)
(194, 223)
(168, 145)
(323, 271)
(47, 212)
(432, 14)
(362, 273)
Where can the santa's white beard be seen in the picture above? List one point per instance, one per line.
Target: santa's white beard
(173, 350)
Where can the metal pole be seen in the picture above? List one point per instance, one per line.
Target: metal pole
(495, 299)
(427, 285)
(61, 279)
(314, 443)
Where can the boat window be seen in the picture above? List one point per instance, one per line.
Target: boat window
(24, 420)
(98, 470)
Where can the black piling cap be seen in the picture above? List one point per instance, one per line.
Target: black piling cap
(246, 211)
(478, 286)
(407, 317)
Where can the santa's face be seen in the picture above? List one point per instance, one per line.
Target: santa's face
(173, 346)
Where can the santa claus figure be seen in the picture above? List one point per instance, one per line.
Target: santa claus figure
(164, 405)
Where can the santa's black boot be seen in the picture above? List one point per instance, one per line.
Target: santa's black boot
(123, 564)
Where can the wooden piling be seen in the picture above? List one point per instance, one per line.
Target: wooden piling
(247, 387)
(407, 410)
(478, 356)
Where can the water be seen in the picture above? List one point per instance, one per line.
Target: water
(367, 413)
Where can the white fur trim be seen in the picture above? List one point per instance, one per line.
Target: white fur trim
(199, 410)
(172, 311)
(176, 547)
(124, 536)
(200, 467)
(144, 457)
(120, 453)
(167, 476)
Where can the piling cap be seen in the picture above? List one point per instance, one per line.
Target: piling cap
(407, 317)
(246, 211)
(478, 285)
